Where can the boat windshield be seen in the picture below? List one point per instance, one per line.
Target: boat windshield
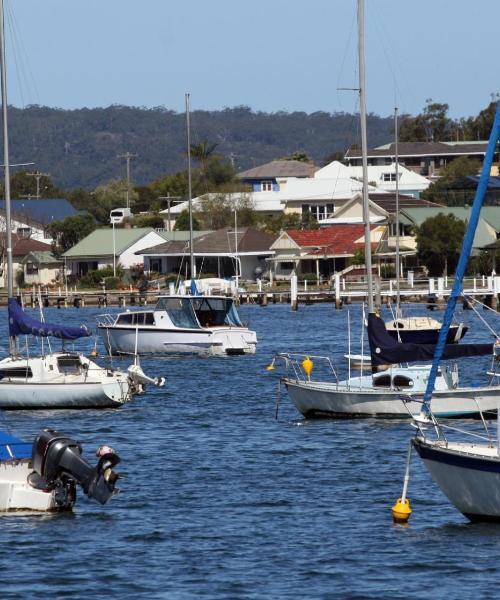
(213, 312)
(180, 312)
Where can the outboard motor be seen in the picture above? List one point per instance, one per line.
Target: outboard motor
(57, 461)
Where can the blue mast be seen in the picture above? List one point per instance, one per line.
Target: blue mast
(464, 256)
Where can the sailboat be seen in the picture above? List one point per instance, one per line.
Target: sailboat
(53, 379)
(411, 329)
(378, 394)
(464, 464)
(43, 476)
(180, 323)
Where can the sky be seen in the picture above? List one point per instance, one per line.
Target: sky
(270, 55)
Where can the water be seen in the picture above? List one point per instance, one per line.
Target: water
(220, 500)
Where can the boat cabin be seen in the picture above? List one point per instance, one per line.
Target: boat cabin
(193, 312)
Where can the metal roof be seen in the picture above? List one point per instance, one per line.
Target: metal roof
(43, 210)
(100, 242)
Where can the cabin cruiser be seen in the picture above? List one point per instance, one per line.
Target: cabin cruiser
(179, 324)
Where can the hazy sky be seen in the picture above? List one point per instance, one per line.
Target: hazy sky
(271, 55)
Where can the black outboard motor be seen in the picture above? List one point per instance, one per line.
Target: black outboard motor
(58, 462)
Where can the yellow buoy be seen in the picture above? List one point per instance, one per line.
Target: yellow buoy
(270, 367)
(307, 365)
(93, 353)
(401, 511)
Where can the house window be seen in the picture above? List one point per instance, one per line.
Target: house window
(24, 232)
(390, 176)
(31, 268)
(267, 186)
(319, 211)
(155, 265)
(286, 266)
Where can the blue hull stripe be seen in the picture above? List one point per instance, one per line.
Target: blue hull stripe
(455, 459)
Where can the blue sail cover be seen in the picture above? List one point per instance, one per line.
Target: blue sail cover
(385, 350)
(12, 447)
(20, 322)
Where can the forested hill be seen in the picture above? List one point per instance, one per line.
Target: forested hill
(79, 148)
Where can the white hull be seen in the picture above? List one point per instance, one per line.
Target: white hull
(62, 395)
(329, 399)
(468, 474)
(153, 340)
(15, 492)
(48, 382)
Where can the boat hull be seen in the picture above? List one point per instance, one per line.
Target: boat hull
(15, 492)
(469, 480)
(218, 341)
(22, 395)
(320, 399)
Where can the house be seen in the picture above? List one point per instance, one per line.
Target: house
(266, 178)
(382, 177)
(41, 267)
(97, 249)
(321, 252)
(425, 158)
(215, 253)
(21, 247)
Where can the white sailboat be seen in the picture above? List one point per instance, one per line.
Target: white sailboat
(378, 395)
(463, 463)
(43, 476)
(179, 323)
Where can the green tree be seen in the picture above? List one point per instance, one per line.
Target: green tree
(109, 196)
(432, 125)
(215, 211)
(440, 191)
(23, 185)
(69, 231)
(148, 220)
(439, 240)
(300, 156)
(182, 222)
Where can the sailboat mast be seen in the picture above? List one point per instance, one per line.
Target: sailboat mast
(398, 258)
(6, 160)
(364, 151)
(190, 192)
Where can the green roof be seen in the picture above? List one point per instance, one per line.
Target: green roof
(42, 257)
(100, 242)
(485, 233)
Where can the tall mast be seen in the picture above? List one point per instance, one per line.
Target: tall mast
(6, 161)
(190, 192)
(364, 151)
(398, 259)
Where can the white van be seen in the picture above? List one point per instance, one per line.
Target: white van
(118, 215)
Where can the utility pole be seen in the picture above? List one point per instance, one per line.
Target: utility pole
(169, 199)
(127, 156)
(37, 175)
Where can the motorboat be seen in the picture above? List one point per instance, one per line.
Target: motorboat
(179, 324)
(43, 476)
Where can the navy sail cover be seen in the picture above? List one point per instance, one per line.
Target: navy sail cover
(20, 322)
(385, 350)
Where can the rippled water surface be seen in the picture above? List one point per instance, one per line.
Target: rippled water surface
(220, 500)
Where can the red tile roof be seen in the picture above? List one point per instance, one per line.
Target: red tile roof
(23, 246)
(334, 240)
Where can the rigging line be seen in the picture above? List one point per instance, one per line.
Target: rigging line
(21, 58)
(482, 319)
(389, 52)
(348, 46)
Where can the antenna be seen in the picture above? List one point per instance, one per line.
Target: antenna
(127, 156)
